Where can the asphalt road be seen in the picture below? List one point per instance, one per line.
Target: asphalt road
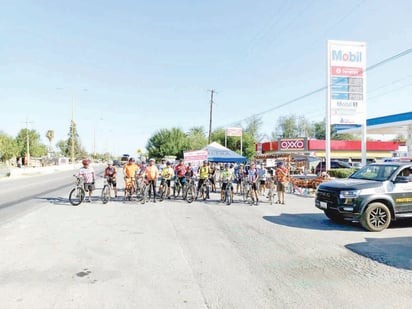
(201, 255)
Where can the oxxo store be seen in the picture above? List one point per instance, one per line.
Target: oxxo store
(298, 149)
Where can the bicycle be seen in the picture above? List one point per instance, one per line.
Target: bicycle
(163, 188)
(106, 191)
(204, 189)
(228, 195)
(189, 193)
(130, 188)
(271, 193)
(77, 194)
(177, 188)
(144, 191)
(249, 193)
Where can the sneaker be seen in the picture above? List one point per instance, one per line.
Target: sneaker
(283, 203)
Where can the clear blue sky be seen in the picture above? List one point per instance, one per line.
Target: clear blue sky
(148, 65)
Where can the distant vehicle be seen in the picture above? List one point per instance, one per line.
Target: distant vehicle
(321, 167)
(356, 164)
(116, 163)
(125, 159)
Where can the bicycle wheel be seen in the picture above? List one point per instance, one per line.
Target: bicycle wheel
(190, 194)
(145, 194)
(105, 196)
(76, 196)
(228, 196)
(163, 192)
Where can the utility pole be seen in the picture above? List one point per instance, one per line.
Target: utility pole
(72, 141)
(211, 114)
(27, 161)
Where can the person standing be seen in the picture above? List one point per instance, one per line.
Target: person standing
(240, 175)
(262, 179)
(130, 170)
(282, 174)
(152, 173)
(89, 176)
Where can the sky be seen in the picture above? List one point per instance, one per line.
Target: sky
(130, 68)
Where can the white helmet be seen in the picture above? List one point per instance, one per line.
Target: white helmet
(110, 162)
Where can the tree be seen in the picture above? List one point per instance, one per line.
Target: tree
(196, 138)
(288, 127)
(36, 148)
(320, 130)
(253, 126)
(166, 142)
(50, 136)
(65, 146)
(8, 147)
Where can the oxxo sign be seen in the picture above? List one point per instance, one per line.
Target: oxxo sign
(292, 144)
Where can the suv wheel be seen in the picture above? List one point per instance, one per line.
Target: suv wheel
(376, 217)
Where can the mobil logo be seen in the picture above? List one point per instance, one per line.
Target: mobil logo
(339, 55)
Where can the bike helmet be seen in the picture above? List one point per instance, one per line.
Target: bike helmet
(205, 162)
(110, 162)
(152, 160)
(131, 160)
(168, 163)
(85, 162)
(226, 165)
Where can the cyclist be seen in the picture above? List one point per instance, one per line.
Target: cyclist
(212, 174)
(226, 176)
(253, 177)
(89, 176)
(151, 174)
(180, 171)
(239, 174)
(130, 170)
(203, 177)
(167, 174)
(110, 174)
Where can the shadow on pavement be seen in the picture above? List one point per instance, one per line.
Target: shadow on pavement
(312, 222)
(394, 251)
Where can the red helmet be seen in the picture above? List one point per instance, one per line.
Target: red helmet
(85, 162)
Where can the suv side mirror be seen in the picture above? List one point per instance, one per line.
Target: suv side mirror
(401, 179)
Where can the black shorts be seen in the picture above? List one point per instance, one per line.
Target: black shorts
(224, 185)
(112, 181)
(262, 182)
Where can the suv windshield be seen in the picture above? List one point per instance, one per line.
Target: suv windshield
(375, 172)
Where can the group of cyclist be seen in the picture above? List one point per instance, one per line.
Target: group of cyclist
(208, 173)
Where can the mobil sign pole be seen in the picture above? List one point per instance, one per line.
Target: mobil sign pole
(346, 95)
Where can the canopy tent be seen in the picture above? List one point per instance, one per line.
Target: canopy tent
(219, 153)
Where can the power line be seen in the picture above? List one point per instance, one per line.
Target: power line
(370, 68)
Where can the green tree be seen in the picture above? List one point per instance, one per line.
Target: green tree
(65, 146)
(36, 148)
(196, 138)
(253, 127)
(319, 129)
(248, 142)
(288, 126)
(8, 147)
(167, 142)
(50, 136)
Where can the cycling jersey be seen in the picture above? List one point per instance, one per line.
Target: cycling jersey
(167, 173)
(226, 175)
(204, 172)
(151, 172)
(252, 175)
(130, 170)
(110, 172)
(180, 170)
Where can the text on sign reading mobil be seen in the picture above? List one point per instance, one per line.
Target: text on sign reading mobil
(339, 55)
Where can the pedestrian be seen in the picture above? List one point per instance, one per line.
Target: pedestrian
(282, 175)
(89, 177)
(262, 179)
(110, 173)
